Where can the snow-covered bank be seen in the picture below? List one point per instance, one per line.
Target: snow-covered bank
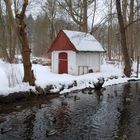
(11, 78)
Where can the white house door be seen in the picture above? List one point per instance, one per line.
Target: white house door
(63, 63)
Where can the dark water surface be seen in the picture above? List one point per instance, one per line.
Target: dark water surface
(100, 115)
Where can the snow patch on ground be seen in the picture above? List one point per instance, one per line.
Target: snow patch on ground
(11, 78)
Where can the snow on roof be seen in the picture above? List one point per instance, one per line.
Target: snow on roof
(83, 41)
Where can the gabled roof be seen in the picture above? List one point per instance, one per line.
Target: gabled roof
(83, 41)
(61, 42)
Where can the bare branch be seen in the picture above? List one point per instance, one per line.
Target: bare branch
(131, 23)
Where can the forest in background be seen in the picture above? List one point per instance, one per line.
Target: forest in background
(80, 15)
(69, 14)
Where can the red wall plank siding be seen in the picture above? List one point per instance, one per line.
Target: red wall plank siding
(61, 42)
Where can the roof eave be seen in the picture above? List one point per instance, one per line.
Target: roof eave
(92, 51)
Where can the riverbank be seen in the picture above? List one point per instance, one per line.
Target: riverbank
(12, 74)
(48, 93)
(45, 94)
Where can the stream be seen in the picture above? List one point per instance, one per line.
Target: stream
(110, 114)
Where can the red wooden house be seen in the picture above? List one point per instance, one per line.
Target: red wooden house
(75, 53)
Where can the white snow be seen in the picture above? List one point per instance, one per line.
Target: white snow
(11, 78)
(83, 41)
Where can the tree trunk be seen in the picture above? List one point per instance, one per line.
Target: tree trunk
(84, 24)
(26, 51)
(93, 18)
(7, 38)
(131, 30)
(80, 17)
(127, 68)
(124, 10)
(110, 32)
(20, 30)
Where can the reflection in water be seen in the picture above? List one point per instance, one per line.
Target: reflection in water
(123, 124)
(130, 114)
(101, 115)
(29, 124)
(63, 119)
(99, 94)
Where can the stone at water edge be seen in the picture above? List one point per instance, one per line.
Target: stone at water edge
(39, 90)
(99, 84)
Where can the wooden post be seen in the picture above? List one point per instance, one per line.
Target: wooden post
(138, 61)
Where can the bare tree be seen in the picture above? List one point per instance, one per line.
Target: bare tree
(78, 11)
(110, 30)
(127, 69)
(19, 27)
(124, 10)
(50, 9)
(93, 18)
(8, 39)
(131, 30)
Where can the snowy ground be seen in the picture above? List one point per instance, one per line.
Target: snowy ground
(11, 78)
